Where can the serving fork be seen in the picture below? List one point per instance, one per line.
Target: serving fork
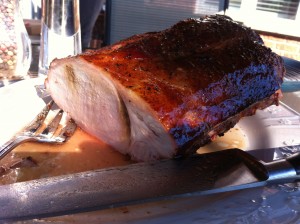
(51, 125)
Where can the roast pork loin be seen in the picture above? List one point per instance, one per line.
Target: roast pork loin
(164, 94)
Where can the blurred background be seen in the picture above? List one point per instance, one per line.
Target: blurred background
(277, 21)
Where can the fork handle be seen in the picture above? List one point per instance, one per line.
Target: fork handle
(11, 144)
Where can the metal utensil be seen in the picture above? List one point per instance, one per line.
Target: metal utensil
(203, 174)
(51, 125)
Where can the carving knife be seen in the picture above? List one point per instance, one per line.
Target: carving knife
(201, 174)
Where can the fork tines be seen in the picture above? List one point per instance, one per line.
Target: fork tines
(51, 125)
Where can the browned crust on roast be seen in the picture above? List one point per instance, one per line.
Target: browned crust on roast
(199, 76)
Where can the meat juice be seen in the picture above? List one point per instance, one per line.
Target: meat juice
(83, 152)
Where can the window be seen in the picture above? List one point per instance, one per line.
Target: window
(276, 16)
(126, 18)
(284, 8)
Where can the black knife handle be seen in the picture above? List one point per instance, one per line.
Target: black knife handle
(295, 161)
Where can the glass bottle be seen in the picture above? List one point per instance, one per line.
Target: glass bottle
(15, 45)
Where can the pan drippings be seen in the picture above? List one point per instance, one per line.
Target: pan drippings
(83, 152)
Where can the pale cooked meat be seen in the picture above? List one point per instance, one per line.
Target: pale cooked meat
(162, 94)
(106, 110)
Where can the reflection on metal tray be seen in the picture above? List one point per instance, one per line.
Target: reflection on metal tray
(292, 78)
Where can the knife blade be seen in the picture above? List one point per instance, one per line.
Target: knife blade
(201, 174)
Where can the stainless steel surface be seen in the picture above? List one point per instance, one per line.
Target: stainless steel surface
(280, 170)
(61, 16)
(292, 70)
(292, 78)
(292, 101)
(60, 32)
(137, 183)
(46, 127)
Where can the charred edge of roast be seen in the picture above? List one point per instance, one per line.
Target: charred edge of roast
(210, 133)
